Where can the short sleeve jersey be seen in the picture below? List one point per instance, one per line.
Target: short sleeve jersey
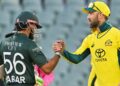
(19, 54)
(105, 52)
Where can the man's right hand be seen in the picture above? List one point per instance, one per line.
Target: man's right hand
(59, 46)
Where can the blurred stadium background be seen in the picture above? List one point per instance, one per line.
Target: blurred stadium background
(61, 19)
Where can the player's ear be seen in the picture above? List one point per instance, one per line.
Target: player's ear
(100, 16)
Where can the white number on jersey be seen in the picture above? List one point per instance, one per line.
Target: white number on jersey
(14, 62)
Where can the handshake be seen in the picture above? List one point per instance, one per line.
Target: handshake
(59, 46)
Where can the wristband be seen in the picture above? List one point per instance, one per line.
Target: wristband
(57, 53)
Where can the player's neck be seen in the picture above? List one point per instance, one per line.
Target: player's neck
(25, 32)
(102, 21)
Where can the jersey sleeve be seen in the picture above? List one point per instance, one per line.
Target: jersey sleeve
(36, 55)
(84, 47)
(1, 58)
(80, 54)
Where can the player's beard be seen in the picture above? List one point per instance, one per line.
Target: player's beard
(94, 23)
(31, 35)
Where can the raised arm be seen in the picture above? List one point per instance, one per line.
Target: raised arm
(76, 57)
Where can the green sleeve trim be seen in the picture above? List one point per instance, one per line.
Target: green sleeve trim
(93, 81)
(119, 57)
(76, 58)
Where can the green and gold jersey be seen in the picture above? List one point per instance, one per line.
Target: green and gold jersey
(18, 54)
(105, 56)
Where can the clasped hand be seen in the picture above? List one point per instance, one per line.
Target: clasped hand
(59, 46)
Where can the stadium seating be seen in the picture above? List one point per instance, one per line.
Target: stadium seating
(8, 2)
(75, 5)
(55, 6)
(61, 19)
(32, 2)
(4, 22)
(46, 18)
(67, 18)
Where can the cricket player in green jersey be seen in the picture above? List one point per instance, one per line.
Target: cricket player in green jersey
(103, 44)
(18, 53)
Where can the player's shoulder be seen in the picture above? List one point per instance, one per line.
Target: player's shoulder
(24, 39)
(115, 30)
(33, 47)
(30, 43)
(89, 36)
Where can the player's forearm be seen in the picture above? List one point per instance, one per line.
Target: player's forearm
(48, 67)
(75, 58)
(2, 72)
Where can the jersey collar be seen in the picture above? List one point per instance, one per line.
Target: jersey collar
(105, 26)
(22, 35)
